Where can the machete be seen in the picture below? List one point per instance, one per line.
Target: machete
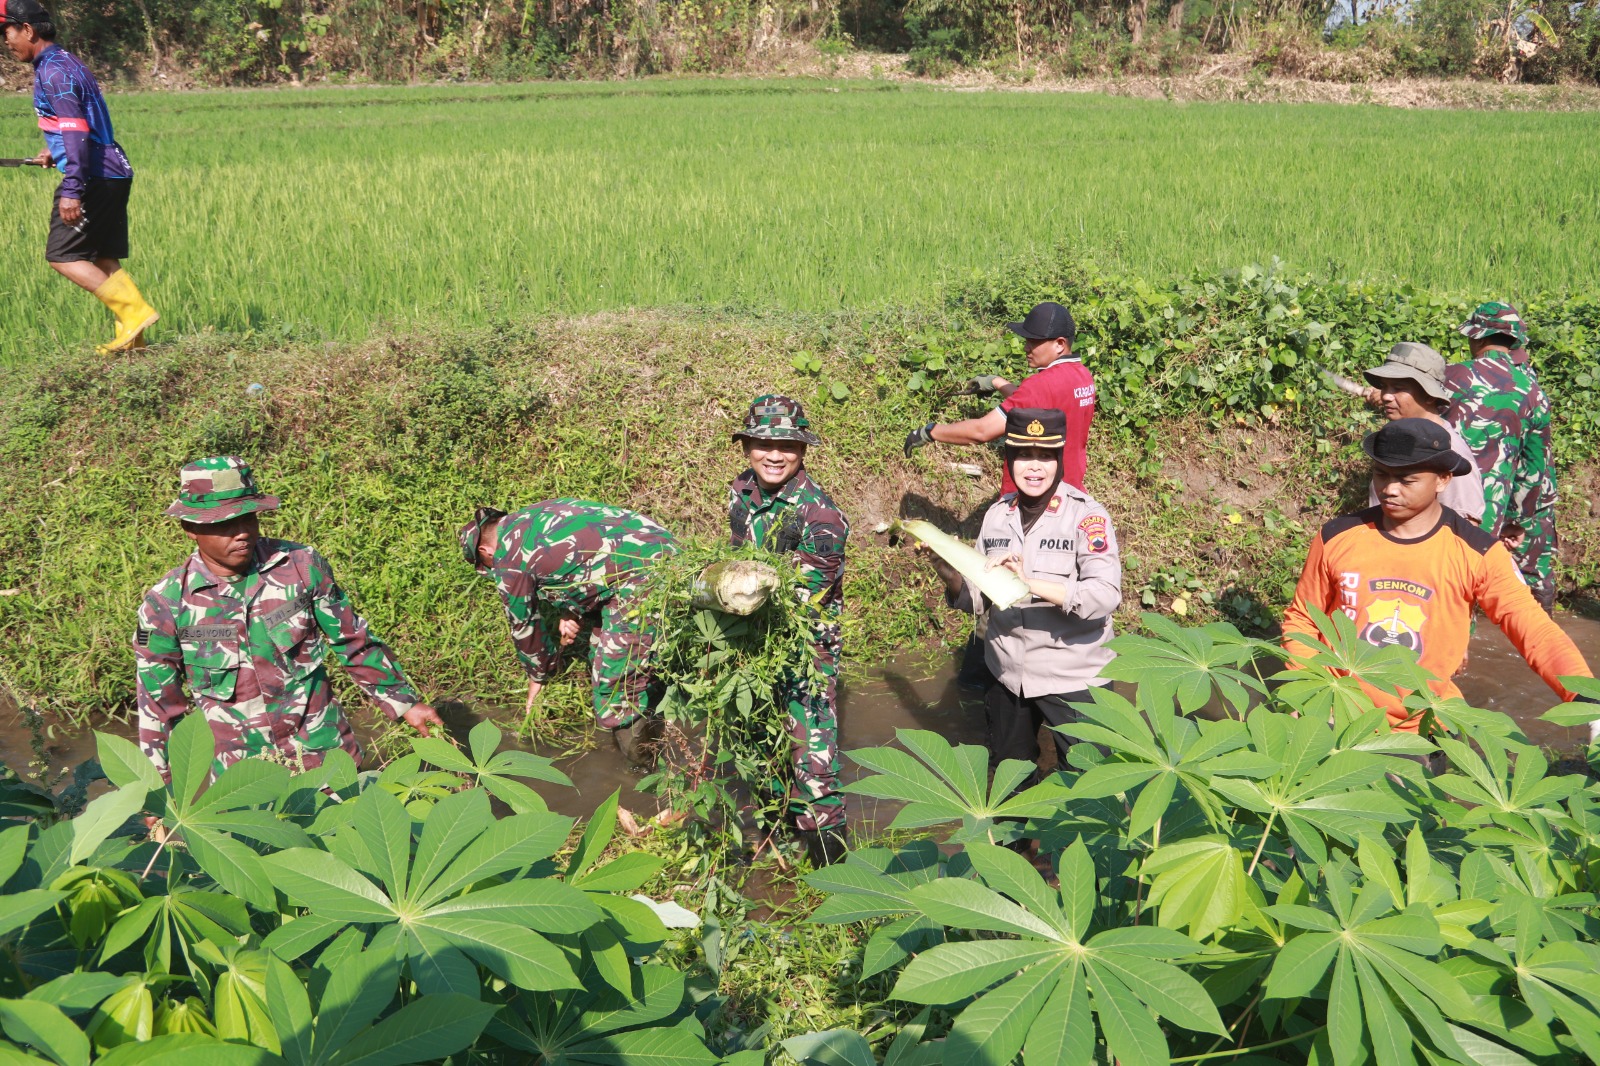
(20, 163)
(1342, 383)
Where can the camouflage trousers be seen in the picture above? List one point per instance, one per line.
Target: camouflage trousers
(622, 665)
(815, 801)
(1536, 558)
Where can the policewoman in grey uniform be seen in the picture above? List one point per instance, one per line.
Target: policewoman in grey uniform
(1047, 651)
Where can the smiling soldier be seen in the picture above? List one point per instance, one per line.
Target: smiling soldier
(777, 506)
(245, 624)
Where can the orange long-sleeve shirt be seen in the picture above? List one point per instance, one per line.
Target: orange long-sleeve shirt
(1419, 594)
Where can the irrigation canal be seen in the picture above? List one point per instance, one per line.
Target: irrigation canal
(916, 692)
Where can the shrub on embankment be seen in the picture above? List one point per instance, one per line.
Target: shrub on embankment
(1217, 449)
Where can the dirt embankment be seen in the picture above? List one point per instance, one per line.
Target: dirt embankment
(1330, 78)
(379, 450)
(1327, 76)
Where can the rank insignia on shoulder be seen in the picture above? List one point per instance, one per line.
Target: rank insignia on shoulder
(1093, 529)
(141, 637)
(1055, 504)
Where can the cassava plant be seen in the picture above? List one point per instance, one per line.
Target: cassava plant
(1283, 883)
(329, 918)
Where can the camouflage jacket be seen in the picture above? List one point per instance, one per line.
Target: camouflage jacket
(1505, 419)
(573, 557)
(266, 634)
(801, 519)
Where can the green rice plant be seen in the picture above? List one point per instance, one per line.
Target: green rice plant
(292, 214)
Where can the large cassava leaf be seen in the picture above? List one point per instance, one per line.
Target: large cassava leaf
(1189, 664)
(431, 1027)
(1156, 749)
(1383, 983)
(940, 782)
(187, 1049)
(46, 1029)
(441, 889)
(492, 769)
(1056, 966)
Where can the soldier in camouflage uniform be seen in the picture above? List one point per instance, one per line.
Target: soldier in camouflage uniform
(245, 625)
(777, 506)
(566, 566)
(1505, 418)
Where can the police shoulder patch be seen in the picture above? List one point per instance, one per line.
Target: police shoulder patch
(1093, 527)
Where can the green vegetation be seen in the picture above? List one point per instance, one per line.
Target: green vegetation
(246, 42)
(313, 919)
(337, 213)
(1230, 889)
(723, 697)
(380, 450)
(1217, 888)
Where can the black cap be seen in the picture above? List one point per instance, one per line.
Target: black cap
(1415, 444)
(1045, 322)
(1036, 427)
(16, 12)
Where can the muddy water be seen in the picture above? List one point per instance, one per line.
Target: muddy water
(916, 692)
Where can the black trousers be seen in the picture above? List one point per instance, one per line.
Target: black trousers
(1013, 722)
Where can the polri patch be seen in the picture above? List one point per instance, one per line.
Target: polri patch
(1093, 529)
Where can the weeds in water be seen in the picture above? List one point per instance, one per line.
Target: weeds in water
(724, 678)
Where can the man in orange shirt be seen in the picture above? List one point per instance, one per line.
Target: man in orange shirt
(1409, 571)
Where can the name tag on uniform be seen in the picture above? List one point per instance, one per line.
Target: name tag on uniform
(289, 610)
(195, 634)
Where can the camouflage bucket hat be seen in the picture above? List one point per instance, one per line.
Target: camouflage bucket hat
(472, 532)
(1492, 318)
(774, 417)
(216, 489)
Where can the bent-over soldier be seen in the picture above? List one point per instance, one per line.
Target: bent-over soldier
(776, 505)
(245, 624)
(1504, 416)
(564, 567)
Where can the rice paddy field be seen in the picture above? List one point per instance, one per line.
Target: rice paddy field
(333, 212)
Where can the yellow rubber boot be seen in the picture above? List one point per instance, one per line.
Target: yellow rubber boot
(133, 315)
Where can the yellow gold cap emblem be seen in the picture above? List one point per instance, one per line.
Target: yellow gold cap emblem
(1036, 428)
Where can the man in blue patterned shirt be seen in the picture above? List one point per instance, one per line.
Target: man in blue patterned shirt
(89, 222)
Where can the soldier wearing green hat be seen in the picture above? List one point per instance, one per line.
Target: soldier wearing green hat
(776, 505)
(565, 568)
(1504, 417)
(244, 625)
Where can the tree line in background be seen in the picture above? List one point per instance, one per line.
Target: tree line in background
(250, 42)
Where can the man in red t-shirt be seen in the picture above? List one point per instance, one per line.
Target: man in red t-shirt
(1062, 382)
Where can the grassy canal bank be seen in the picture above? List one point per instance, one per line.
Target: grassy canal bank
(1217, 450)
